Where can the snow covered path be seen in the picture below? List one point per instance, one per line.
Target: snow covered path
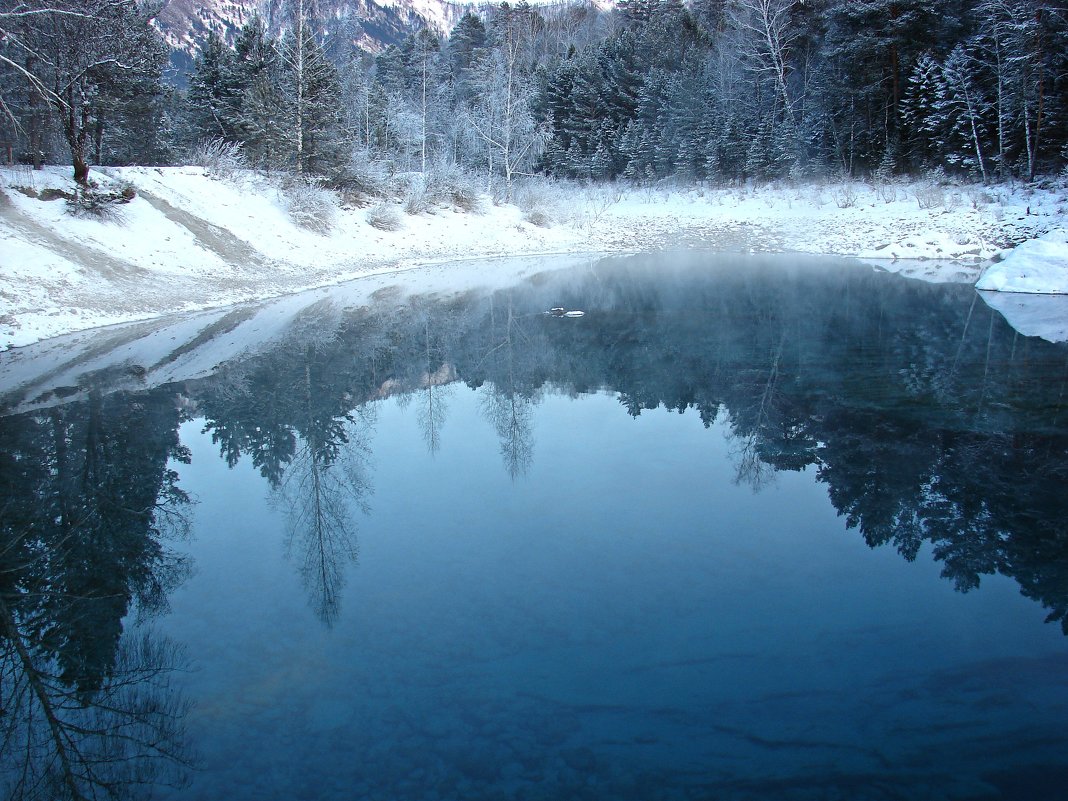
(189, 241)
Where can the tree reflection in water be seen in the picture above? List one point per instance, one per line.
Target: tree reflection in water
(509, 403)
(326, 473)
(88, 502)
(927, 417)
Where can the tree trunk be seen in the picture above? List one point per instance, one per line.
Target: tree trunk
(35, 119)
(76, 131)
(1039, 59)
(81, 166)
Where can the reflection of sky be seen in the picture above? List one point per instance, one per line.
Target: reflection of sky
(624, 597)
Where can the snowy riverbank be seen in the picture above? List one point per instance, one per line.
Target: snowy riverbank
(191, 241)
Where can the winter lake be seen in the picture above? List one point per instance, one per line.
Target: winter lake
(749, 528)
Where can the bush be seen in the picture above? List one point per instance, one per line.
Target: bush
(416, 200)
(91, 202)
(538, 217)
(887, 191)
(979, 197)
(439, 188)
(845, 196)
(930, 196)
(534, 194)
(218, 157)
(309, 205)
(362, 180)
(451, 187)
(384, 217)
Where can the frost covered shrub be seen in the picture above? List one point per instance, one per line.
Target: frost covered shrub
(363, 180)
(930, 196)
(450, 187)
(309, 205)
(845, 196)
(584, 206)
(218, 157)
(384, 217)
(467, 198)
(535, 197)
(887, 192)
(416, 199)
(105, 205)
(440, 188)
(594, 201)
(538, 217)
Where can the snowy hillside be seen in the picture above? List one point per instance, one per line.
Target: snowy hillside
(189, 241)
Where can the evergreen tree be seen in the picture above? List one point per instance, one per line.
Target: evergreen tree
(262, 119)
(129, 126)
(922, 109)
(466, 41)
(214, 96)
(871, 47)
(963, 108)
(313, 93)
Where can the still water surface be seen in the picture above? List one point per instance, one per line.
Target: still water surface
(749, 529)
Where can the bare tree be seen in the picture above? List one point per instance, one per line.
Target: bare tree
(769, 36)
(508, 409)
(69, 53)
(435, 392)
(501, 114)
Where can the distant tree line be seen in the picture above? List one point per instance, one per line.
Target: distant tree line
(721, 90)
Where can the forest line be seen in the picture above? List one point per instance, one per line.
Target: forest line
(714, 90)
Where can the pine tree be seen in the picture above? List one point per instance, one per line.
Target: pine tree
(214, 97)
(558, 107)
(922, 108)
(262, 119)
(963, 109)
(130, 127)
(870, 48)
(313, 93)
(466, 41)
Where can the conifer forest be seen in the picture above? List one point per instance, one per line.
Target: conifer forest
(711, 90)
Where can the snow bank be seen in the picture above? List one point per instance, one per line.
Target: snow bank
(192, 242)
(1038, 266)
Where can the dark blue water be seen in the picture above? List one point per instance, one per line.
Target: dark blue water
(749, 529)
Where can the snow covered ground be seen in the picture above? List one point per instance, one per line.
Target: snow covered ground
(1036, 266)
(191, 242)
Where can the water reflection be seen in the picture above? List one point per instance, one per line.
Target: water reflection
(88, 504)
(929, 420)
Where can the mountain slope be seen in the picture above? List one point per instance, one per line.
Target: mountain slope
(373, 25)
